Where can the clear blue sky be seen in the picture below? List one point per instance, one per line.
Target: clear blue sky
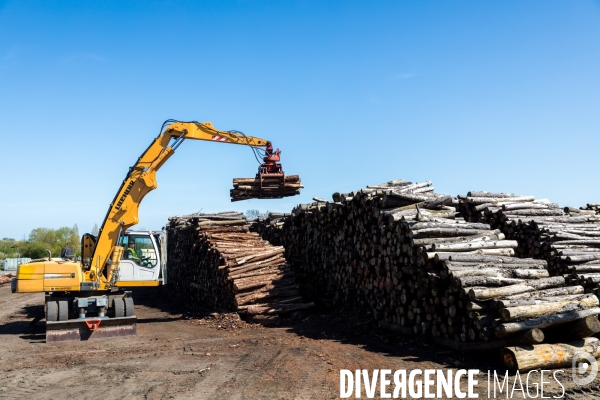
(473, 95)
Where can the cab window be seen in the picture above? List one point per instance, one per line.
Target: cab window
(140, 250)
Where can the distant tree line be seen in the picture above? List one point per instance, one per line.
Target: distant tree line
(39, 240)
(253, 214)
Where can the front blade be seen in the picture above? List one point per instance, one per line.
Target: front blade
(77, 329)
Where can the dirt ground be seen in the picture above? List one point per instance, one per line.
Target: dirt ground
(199, 356)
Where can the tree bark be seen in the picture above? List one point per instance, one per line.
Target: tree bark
(548, 307)
(548, 356)
(529, 286)
(544, 322)
(578, 329)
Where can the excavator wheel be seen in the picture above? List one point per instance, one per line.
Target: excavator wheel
(119, 307)
(63, 310)
(128, 307)
(51, 311)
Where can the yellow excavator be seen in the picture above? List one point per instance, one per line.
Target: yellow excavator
(87, 299)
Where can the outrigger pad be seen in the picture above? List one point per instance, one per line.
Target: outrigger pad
(90, 328)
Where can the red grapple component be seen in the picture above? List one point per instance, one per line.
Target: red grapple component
(271, 169)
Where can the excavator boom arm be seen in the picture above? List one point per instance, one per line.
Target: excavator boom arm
(205, 131)
(141, 179)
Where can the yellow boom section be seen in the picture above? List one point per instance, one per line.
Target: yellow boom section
(141, 179)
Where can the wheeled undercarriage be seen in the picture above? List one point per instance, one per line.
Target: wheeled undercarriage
(77, 317)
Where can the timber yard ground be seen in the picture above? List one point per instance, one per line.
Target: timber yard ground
(203, 356)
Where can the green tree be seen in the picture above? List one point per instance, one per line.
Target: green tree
(95, 230)
(6, 248)
(53, 240)
(33, 250)
(42, 235)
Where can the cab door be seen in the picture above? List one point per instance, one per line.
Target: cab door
(141, 259)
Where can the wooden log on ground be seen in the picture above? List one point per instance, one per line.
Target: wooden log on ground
(275, 308)
(548, 356)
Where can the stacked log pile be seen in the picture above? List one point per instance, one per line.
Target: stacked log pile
(324, 234)
(568, 239)
(270, 227)
(582, 260)
(592, 207)
(487, 293)
(6, 278)
(268, 188)
(215, 261)
(404, 253)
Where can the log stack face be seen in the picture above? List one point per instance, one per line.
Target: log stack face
(341, 246)
(405, 254)
(568, 239)
(214, 260)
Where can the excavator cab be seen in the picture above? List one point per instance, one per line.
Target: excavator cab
(142, 259)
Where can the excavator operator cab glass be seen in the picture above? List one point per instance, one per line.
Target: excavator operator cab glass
(139, 249)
